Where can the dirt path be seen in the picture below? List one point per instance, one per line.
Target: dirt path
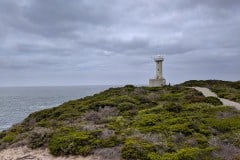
(230, 103)
(24, 153)
(207, 93)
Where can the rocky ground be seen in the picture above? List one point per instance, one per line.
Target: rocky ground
(24, 153)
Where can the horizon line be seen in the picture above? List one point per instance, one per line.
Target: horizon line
(74, 85)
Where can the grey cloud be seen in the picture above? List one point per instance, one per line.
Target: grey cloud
(58, 18)
(114, 41)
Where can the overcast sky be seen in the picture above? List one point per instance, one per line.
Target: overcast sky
(79, 42)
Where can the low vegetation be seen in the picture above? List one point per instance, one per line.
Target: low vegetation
(148, 123)
(224, 89)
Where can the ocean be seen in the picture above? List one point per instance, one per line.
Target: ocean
(16, 103)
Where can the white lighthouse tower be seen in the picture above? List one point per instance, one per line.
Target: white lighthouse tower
(159, 80)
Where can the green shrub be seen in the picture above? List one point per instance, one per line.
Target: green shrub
(2, 134)
(193, 96)
(152, 88)
(236, 138)
(172, 107)
(158, 109)
(124, 98)
(9, 137)
(39, 115)
(193, 83)
(125, 106)
(201, 140)
(118, 124)
(136, 148)
(154, 156)
(212, 100)
(225, 125)
(188, 154)
(130, 113)
(147, 120)
(39, 137)
(101, 104)
(170, 97)
(75, 143)
(143, 99)
(183, 128)
(129, 87)
(198, 127)
(110, 142)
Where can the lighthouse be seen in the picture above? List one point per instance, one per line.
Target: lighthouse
(158, 80)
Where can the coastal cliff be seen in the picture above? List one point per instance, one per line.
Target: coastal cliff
(170, 122)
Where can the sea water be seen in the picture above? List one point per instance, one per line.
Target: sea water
(16, 103)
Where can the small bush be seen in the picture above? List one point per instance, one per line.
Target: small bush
(102, 115)
(39, 137)
(201, 140)
(118, 124)
(155, 110)
(139, 91)
(2, 134)
(212, 100)
(130, 113)
(92, 116)
(9, 137)
(183, 128)
(225, 125)
(143, 99)
(193, 96)
(129, 87)
(101, 104)
(172, 107)
(171, 97)
(188, 154)
(43, 114)
(147, 120)
(125, 106)
(124, 98)
(75, 143)
(110, 142)
(136, 148)
(236, 139)
(178, 138)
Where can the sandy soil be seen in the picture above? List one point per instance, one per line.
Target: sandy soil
(207, 92)
(24, 153)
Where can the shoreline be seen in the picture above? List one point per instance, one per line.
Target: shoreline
(19, 102)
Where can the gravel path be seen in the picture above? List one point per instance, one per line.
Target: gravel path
(207, 93)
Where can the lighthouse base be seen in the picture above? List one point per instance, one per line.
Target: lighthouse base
(157, 82)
